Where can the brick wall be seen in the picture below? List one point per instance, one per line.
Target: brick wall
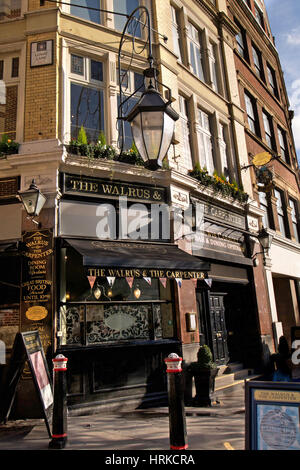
(41, 91)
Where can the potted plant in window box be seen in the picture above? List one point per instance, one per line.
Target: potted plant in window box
(8, 146)
(204, 372)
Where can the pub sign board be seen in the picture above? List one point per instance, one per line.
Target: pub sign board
(272, 415)
(28, 347)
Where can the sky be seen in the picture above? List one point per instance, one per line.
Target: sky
(284, 18)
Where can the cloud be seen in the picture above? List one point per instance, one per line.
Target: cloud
(295, 105)
(293, 38)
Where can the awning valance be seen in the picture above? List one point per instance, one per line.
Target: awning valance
(141, 259)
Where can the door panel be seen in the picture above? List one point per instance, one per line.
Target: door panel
(218, 328)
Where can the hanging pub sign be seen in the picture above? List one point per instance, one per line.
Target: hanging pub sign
(28, 347)
(272, 416)
(37, 284)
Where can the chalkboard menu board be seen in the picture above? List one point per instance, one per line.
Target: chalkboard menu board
(28, 347)
(272, 416)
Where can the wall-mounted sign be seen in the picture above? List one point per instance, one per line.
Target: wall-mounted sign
(41, 53)
(223, 215)
(95, 187)
(272, 416)
(36, 284)
(179, 197)
(140, 273)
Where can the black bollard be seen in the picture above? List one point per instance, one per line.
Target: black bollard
(59, 422)
(178, 436)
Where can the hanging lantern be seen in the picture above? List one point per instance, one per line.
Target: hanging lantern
(137, 293)
(33, 200)
(152, 122)
(97, 293)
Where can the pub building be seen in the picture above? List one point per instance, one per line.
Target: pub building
(114, 281)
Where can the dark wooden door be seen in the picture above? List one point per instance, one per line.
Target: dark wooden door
(218, 327)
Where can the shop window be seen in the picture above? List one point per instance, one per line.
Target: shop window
(9, 88)
(258, 65)
(196, 51)
(107, 312)
(251, 113)
(269, 131)
(131, 82)
(205, 141)
(281, 212)
(87, 97)
(176, 33)
(295, 219)
(185, 144)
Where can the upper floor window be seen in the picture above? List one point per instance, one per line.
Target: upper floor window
(176, 32)
(10, 9)
(196, 51)
(224, 149)
(283, 144)
(295, 217)
(185, 145)
(213, 62)
(89, 11)
(87, 96)
(272, 80)
(9, 88)
(281, 211)
(259, 15)
(126, 7)
(263, 201)
(131, 82)
(257, 59)
(268, 126)
(247, 3)
(241, 41)
(251, 113)
(205, 142)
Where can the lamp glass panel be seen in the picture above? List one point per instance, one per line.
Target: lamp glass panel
(138, 137)
(40, 203)
(168, 131)
(152, 128)
(29, 200)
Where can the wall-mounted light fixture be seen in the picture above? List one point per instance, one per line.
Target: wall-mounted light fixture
(265, 239)
(33, 201)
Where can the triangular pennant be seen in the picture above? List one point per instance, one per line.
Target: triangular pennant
(179, 281)
(92, 280)
(148, 279)
(111, 280)
(163, 281)
(208, 281)
(130, 281)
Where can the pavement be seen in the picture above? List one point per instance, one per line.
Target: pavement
(219, 427)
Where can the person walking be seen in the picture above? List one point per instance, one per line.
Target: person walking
(282, 362)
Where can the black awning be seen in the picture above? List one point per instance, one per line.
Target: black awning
(144, 256)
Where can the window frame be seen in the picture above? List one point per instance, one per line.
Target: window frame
(207, 157)
(258, 64)
(272, 80)
(264, 204)
(196, 44)
(284, 153)
(269, 129)
(252, 119)
(259, 16)
(176, 32)
(86, 81)
(281, 212)
(185, 132)
(9, 80)
(242, 46)
(295, 218)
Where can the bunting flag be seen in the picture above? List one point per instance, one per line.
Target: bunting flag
(208, 281)
(130, 281)
(179, 281)
(92, 280)
(148, 279)
(111, 280)
(163, 281)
